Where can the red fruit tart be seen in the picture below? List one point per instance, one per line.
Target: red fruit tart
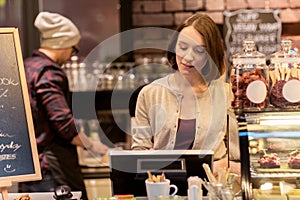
(269, 161)
(294, 160)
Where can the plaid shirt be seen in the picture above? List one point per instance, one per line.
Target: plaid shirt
(50, 101)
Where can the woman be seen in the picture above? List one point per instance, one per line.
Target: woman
(188, 108)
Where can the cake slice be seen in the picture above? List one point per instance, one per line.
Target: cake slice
(269, 161)
(294, 160)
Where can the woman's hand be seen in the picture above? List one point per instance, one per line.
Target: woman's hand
(235, 167)
(222, 163)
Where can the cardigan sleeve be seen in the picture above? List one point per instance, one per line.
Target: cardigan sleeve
(234, 146)
(141, 130)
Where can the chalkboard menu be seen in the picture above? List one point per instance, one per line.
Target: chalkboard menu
(261, 25)
(18, 151)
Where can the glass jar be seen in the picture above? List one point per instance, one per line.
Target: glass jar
(249, 78)
(284, 77)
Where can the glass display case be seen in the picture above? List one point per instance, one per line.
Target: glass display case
(270, 155)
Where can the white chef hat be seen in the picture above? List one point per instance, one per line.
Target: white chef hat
(57, 31)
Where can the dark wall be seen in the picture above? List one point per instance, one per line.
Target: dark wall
(96, 20)
(21, 15)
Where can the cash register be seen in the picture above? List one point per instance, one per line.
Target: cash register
(128, 169)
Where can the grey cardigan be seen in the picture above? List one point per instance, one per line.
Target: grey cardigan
(158, 109)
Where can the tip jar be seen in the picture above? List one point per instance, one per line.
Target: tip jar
(284, 77)
(249, 78)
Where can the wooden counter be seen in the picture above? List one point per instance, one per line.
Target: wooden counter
(41, 195)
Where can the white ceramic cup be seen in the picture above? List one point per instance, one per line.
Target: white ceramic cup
(156, 189)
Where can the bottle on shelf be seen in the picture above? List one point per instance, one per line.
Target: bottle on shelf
(143, 70)
(83, 81)
(249, 78)
(94, 129)
(284, 77)
(75, 72)
(130, 77)
(68, 70)
(120, 74)
(109, 79)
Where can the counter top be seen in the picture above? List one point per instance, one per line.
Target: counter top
(92, 167)
(41, 195)
(92, 172)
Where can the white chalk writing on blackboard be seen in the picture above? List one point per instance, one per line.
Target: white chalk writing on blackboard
(261, 25)
(8, 81)
(7, 157)
(4, 92)
(246, 17)
(244, 27)
(3, 134)
(268, 26)
(9, 169)
(11, 146)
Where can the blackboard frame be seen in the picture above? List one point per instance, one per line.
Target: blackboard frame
(11, 156)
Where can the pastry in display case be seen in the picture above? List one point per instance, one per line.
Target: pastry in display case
(294, 159)
(270, 154)
(269, 161)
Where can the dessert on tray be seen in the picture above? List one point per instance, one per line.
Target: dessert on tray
(24, 197)
(294, 159)
(269, 161)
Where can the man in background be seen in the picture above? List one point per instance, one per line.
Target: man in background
(56, 134)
